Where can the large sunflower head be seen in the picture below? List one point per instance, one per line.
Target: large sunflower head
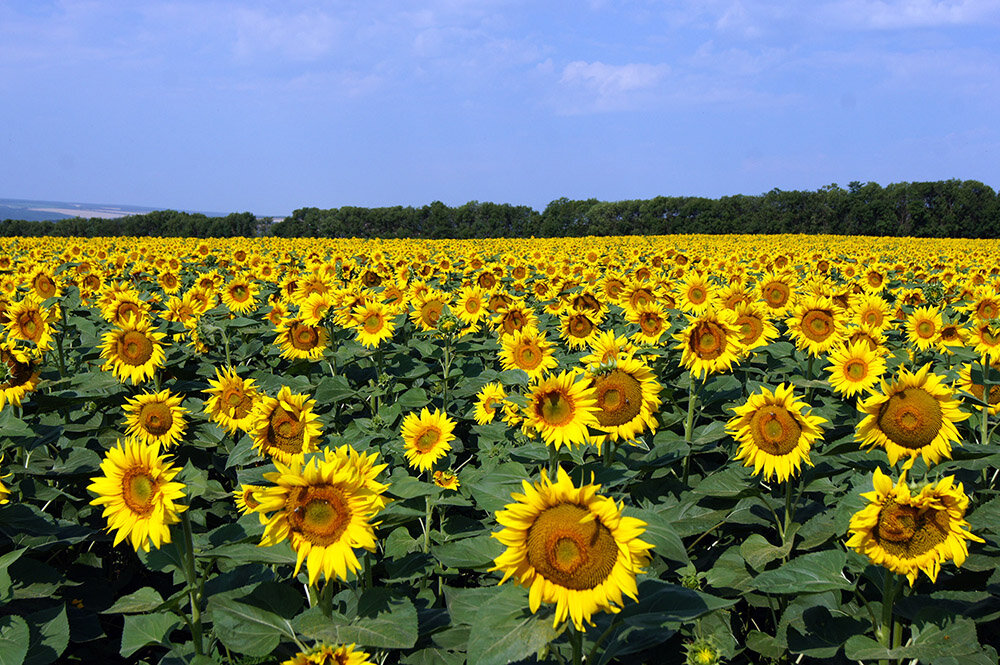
(560, 408)
(156, 418)
(285, 428)
(324, 509)
(19, 374)
(301, 341)
(133, 351)
(627, 396)
(29, 321)
(529, 351)
(427, 437)
(855, 368)
(572, 547)
(137, 491)
(775, 432)
(777, 290)
(913, 416)
(816, 324)
(231, 400)
(710, 343)
(908, 533)
(695, 293)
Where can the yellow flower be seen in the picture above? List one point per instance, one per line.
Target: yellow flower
(908, 533)
(855, 368)
(19, 375)
(652, 320)
(923, 327)
(710, 343)
(775, 432)
(913, 416)
(627, 396)
(240, 295)
(427, 437)
(29, 321)
(4, 492)
(285, 428)
(328, 655)
(756, 329)
(373, 323)
(816, 325)
(134, 351)
(488, 400)
(446, 480)
(970, 379)
(577, 327)
(560, 408)
(299, 340)
(324, 510)
(572, 547)
(156, 418)
(231, 400)
(527, 350)
(138, 494)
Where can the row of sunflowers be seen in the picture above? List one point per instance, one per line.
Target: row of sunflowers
(741, 449)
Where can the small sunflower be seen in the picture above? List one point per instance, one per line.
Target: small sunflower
(301, 341)
(606, 347)
(373, 323)
(428, 308)
(816, 325)
(471, 306)
(323, 508)
(923, 327)
(313, 309)
(515, 316)
(695, 294)
(285, 428)
(652, 319)
(427, 437)
(913, 416)
(710, 343)
(529, 351)
(156, 418)
(754, 324)
(572, 547)
(134, 351)
(246, 503)
(231, 400)
(627, 397)
(560, 408)
(984, 337)
(855, 368)
(775, 432)
(446, 480)
(327, 655)
(19, 375)
(240, 295)
(909, 533)
(777, 290)
(488, 401)
(578, 327)
(872, 311)
(138, 494)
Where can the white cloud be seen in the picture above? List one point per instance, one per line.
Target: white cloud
(901, 14)
(305, 35)
(607, 80)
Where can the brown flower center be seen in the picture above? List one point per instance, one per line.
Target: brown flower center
(774, 430)
(134, 348)
(156, 418)
(818, 325)
(911, 418)
(708, 340)
(138, 490)
(285, 432)
(304, 337)
(907, 531)
(619, 397)
(554, 407)
(319, 513)
(573, 554)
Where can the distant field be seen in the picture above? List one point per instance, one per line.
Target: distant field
(37, 211)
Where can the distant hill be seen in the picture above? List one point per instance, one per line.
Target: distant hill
(37, 211)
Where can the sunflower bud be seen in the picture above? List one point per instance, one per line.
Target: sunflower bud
(702, 652)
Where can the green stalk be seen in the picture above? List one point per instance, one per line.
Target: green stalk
(191, 576)
(553, 461)
(608, 454)
(890, 589)
(689, 425)
(809, 376)
(445, 369)
(985, 436)
(576, 640)
(428, 515)
(789, 509)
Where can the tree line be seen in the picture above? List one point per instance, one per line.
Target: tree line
(939, 209)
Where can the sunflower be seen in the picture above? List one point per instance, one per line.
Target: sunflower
(756, 329)
(913, 416)
(872, 311)
(301, 341)
(125, 305)
(246, 502)
(155, 418)
(816, 325)
(529, 351)
(427, 309)
(908, 533)
(561, 408)
(923, 327)
(446, 480)
(368, 468)
(572, 547)
(695, 294)
(314, 307)
(138, 494)
(471, 306)
(4, 492)
(627, 396)
(855, 368)
(240, 295)
(19, 375)
(44, 284)
(577, 327)
(29, 321)
(133, 351)
(285, 428)
(651, 317)
(775, 432)
(970, 379)
(373, 323)
(606, 347)
(515, 316)
(427, 437)
(710, 343)
(231, 400)
(951, 336)
(777, 291)
(323, 508)
(984, 337)
(324, 654)
(488, 400)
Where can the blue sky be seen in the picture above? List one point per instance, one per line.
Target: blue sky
(272, 106)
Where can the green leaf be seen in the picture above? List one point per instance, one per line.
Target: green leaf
(332, 389)
(470, 553)
(255, 627)
(661, 535)
(933, 643)
(731, 481)
(145, 599)
(809, 573)
(6, 592)
(14, 638)
(757, 552)
(414, 398)
(143, 629)
(393, 628)
(505, 632)
(49, 635)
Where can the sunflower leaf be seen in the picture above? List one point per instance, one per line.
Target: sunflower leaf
(809, 573)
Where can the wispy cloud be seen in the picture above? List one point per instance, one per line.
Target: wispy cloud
(304, 35)
(903, 14)
(611, 86)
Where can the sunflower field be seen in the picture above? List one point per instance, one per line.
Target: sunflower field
(700, 449)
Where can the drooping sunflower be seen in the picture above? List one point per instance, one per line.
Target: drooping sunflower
(561, 408)
(775, 431)
(29, 321)
(138, 492)
(855, 368)
(285, 428)
(446, 480)
(301, 341)
(488, 401)
(156, 418)
(19, 374)
(323, 509)
(627, 396)
(816, 324)
(373, 323)
(572, 547)
(529, 351)
(710, 343)
(923, 327)
(913, 416)
(134, 351)
(427, 437)
(908, 533)
(231, 400)
(240, 295)
(324, 654)
(970, 379)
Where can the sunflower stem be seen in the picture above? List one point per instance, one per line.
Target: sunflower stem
(576, 641)
(809, 376)
(192, 583)
(689, 425)
(553, 461)
(789, 509)
(985, 436)
(428, 516)
(592, 655)
(890, 589)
